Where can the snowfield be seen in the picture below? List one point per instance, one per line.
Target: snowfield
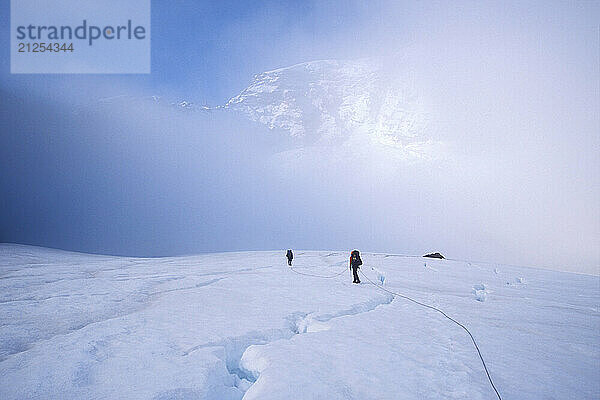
(245, 325)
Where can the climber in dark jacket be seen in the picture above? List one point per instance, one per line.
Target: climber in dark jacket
(355, 263)
(290, 257)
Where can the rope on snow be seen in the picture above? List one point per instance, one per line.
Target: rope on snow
(487, 372)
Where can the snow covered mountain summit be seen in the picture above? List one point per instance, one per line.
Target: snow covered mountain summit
(328, 108)
(334, 102)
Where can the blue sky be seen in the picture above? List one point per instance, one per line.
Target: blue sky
(513, 86)
(210, 49)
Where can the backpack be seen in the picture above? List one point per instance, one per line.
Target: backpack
(355, 258)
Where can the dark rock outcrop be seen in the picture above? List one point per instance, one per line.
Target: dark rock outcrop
(434, 255)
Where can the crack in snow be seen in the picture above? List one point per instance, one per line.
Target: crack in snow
(196, 286)
(135, 307)
(299, 323)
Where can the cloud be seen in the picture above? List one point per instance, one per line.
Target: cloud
(511, 92)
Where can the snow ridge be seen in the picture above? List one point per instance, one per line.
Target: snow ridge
(237, 352)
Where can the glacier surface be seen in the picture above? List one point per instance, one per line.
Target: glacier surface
(245, 325)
